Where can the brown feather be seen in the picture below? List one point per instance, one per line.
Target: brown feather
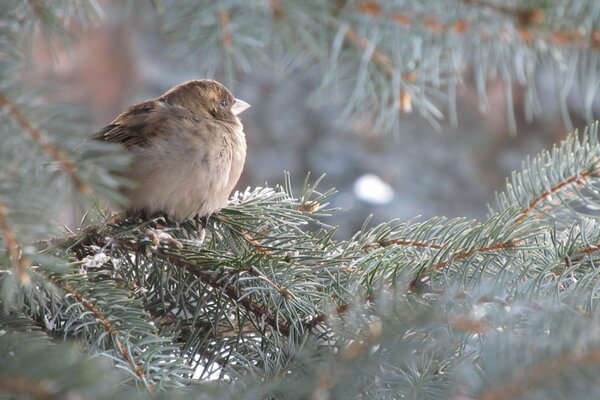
(142, 122)
(188, 150)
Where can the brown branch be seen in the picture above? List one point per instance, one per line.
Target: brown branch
(577, 180)
(213, 280)
(402, 19)
(111, 331)
(26, 387)
(309, 206)
(225, 34)
(277, 10)
(431, 22)
(379, 58)
(384, 62)
(256, 244)
(544, 371)
(98, 314)
(230, 290)
(370, 7)
(339, 310)
(19, 262)
(49, 148)
(511, 244)
(591, 249)
(399, 242)
(526, 18)
(569, 259)
(441, 264)
(322, 317)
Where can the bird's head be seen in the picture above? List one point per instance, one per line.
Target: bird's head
(208, 98)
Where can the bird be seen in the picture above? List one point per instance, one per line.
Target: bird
(187, 147)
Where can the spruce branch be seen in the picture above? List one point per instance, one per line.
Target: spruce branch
(49, 148)
(262, 296)
(232, 272)
(560, 184)
(384, 59)
(230, 290)
(117, 340)
(50, 371)
(235, 305)
(106, 317)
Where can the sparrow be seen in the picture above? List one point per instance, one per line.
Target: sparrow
(187, 148)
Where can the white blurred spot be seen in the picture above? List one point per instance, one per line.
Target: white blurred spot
(372, 189)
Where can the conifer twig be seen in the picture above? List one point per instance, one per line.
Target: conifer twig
(110, 329)
(386, 64)
(49, 148)
(576, 180)
(511, 244)
(399, 242)
(526, 17)
(230, 290)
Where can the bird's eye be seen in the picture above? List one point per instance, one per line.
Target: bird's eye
(224, 103)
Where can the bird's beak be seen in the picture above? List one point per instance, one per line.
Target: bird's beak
(239, 106)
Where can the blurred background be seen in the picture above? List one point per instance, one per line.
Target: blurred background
(420, 170)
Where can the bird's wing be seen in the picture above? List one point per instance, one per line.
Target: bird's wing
(139, 124)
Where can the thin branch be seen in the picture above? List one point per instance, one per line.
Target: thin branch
(111, 331)
(384, 62)
(225, 33)
(527, 18)
(213, 280)
(339, 310)
(256, 244)
(591, 249)
(277, 10)
(431, 22)
(309, 206)
(230, 290)
(399, 242)
(379, 58)
(49, 148)
(511, 244)
(577, 180)
(19, 262)
(370, 7)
